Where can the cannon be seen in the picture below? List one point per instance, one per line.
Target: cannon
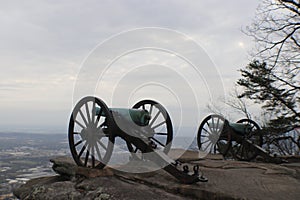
(146, 128)
(241, 140)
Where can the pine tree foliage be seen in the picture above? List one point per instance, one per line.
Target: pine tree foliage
(280, 101)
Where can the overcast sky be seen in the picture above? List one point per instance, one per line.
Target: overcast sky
(45, 44)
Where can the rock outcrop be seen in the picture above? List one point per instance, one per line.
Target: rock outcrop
(227, 180)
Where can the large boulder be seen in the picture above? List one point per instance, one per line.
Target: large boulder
(66, 167)
(228, 179)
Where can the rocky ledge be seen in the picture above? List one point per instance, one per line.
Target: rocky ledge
(227, 180)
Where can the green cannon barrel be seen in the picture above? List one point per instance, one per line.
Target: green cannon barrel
(138, 116)
(241, 128)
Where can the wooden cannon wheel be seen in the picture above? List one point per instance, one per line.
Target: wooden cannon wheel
(161, 134)
(242, 150)
(90, 136)
(215, 135)
(210, 138)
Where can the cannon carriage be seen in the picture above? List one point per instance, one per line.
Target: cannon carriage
(146, 128)
(241, 140)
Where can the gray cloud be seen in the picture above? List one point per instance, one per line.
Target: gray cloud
(44, 43)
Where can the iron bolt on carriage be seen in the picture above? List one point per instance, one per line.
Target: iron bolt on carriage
(145, 127)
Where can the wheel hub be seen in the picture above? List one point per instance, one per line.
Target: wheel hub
(214, 137)
(91, 134)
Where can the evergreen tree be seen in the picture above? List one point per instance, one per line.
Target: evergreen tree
(280, 100)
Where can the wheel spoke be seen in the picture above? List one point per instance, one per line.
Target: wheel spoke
(102, 145)
(158, 141)
(77, 122)
(239, 148)
(247, 152)
(161, 133)
(83, 118)
(86, 157)
(157, 114)
(210, 143)
(215, 148)
(210, 149)
(93, 157)
(100, 126)
(87, 112)
(81, 151)
(213, 124)
(98, 116)
(252, 128)
(150, 111)
(218, 122)
(205, 141)
(203, 135)
(207, 131)
(93, 111)
(218, 146)
(98, 152)
(129, 146)
(77, 143)
(93, 161)
(158, 125)
(242, 153)
(209, 127)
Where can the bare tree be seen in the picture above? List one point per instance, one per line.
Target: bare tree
(276, 32)
(275, 82)
(232, 104)
(238, 104)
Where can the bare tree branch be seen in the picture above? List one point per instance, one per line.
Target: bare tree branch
(274, 80)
